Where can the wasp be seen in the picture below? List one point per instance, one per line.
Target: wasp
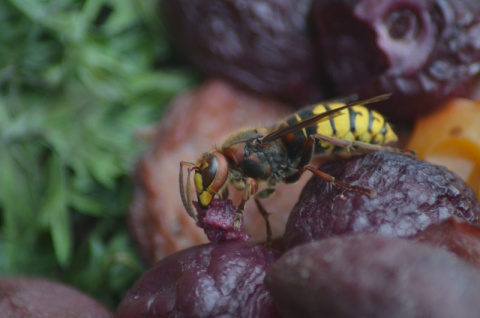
(282, 153)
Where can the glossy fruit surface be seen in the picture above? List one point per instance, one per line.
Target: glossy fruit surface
(372, 276)
(38, 297)
(260, 45)
(410, 195)
(211, 280)
(457, 236)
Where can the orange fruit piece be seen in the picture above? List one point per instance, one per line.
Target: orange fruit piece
(451, 137)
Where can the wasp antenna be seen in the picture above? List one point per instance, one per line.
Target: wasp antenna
(186, 191)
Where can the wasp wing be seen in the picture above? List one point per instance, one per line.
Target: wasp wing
(282, 131)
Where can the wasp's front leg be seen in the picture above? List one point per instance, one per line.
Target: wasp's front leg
(186, 191)
(251, 187)
(224, 193)
(265, 215)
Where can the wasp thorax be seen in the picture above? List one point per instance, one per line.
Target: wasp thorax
(210, 176)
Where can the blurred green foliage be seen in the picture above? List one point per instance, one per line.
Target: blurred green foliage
(77, 80)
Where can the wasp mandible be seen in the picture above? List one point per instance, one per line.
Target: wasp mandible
(282, 153)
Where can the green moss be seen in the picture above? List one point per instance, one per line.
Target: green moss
(77, 80)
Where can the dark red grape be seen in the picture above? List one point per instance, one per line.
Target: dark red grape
(37, 297)
(211, 280)
(421, 51)
(370, 276)
(260, 45)
(410, 195)
(457, 236)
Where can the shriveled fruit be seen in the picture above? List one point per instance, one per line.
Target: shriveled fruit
(211, 280)
(218, 221)
(457, 236)
(369, 276)
(451, 137)
(260, 45)
(421, 51)
(194, 123)
(38, 297)
(410, 195)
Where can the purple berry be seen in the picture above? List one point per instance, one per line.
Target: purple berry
(410, 195)
(211, 280)
(422, 51)
(457, 236)
(369, 276)
(261, 45)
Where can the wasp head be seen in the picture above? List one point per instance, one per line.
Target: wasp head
(211, 173)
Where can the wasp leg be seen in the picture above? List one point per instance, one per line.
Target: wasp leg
(265, 193)
(307, 153)
(224, 193)
(265, 215)
(330, 179)
(347, 144)
(251, 187)
(305, 159)
(186, 192)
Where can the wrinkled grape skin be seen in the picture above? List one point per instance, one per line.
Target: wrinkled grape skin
(410, 195)
(217, 221)
(260, 45)
(457, 236)
(421, 51)
(370, 276)
(208, 280)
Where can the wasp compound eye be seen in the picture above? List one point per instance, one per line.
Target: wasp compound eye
(210, 177)
(210, 170)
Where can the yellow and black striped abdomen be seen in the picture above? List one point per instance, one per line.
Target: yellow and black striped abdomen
(354, 123)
